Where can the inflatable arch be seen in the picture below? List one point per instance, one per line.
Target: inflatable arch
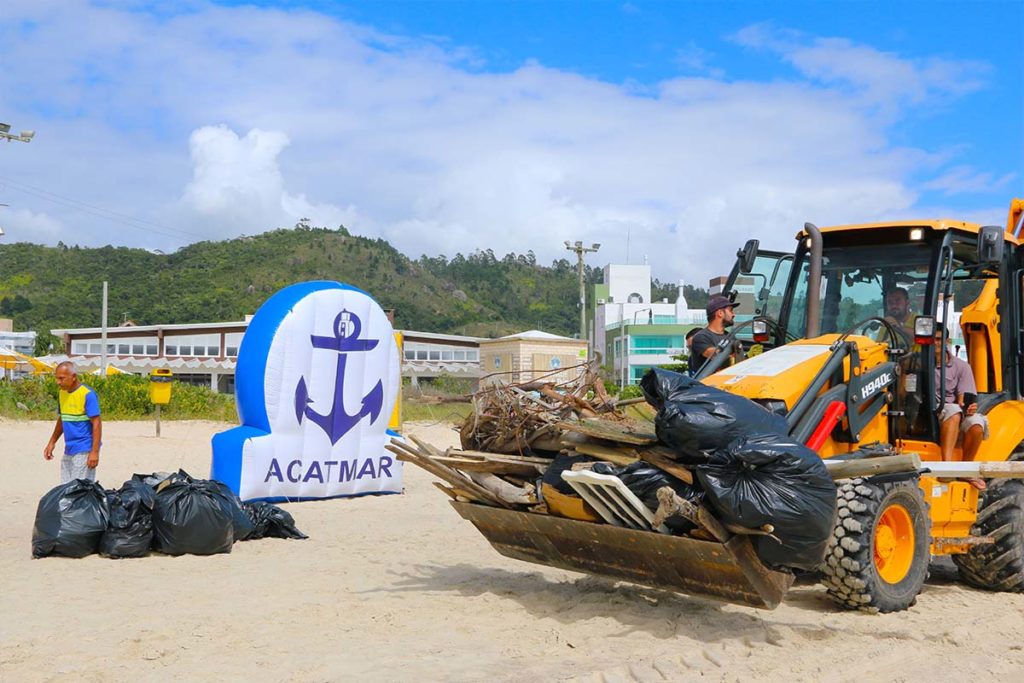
(317, 378)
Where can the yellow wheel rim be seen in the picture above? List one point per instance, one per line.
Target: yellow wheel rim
(894, 544)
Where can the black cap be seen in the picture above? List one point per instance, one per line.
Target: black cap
(716, 303)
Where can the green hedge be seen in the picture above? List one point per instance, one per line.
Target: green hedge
(122, 397)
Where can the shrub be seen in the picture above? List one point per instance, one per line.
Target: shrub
(122, 397)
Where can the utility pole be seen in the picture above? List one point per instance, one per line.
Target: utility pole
(103, 334)
(580, 250)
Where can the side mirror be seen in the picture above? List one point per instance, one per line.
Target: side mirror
(747, 255)
(990, 244)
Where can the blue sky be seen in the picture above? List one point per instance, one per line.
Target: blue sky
(454, 126)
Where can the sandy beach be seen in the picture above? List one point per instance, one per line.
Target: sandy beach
(396, 588)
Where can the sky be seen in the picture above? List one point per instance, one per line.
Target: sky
(667, 132)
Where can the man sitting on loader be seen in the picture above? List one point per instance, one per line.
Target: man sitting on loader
(897, 309)
(959, 418)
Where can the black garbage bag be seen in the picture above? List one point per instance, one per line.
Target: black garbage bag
(130, 533)
(70, 520)
(241, 524)
(191, 517)
(562, 462)
(644, 480)
(270, 520)
(693, 417)
(773, 480)
(153, 479)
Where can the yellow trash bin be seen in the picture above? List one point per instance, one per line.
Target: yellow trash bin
(160, 386)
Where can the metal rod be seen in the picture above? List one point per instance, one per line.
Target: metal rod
(811, 393)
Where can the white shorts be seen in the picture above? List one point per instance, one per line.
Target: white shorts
(74, 467)
(951, 409)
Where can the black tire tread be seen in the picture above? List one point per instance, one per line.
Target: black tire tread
(998, 566)
(848, 571)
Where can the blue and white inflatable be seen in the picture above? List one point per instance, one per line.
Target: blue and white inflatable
(317, 378)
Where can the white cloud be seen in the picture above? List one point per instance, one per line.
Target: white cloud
(965, 180)
(879, 78)
(222, 121)
(41, 227)
(237, 186)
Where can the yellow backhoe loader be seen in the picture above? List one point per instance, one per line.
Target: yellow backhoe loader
(820, 314)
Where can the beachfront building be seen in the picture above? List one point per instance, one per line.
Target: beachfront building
(630, 332)
(428, 355)
(197, 353)
(532, 355)
(22, 342)
(206, 353)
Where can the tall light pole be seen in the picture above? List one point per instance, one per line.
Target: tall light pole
(6, 134)
(580, 251)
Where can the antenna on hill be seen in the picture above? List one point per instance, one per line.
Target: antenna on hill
(629, 228)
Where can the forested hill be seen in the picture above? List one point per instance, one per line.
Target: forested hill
(479, 294)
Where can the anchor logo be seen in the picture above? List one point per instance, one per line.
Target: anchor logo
(338, 422)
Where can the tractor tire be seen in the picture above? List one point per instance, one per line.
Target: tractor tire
(877, 559)
(997, 566)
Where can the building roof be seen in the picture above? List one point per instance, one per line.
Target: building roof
(536, 335)
(413, 335)
(137, 364)
(241, 325)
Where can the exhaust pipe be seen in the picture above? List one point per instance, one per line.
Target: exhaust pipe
(813, 282)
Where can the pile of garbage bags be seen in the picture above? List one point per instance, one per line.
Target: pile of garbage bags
(175, 514)
(748, 471)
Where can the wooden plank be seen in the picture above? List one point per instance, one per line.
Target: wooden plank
(984, 469)
(407, 453)
(618, 455)
(492, 466)
(866, 467)
(447, 489)
(497, 457)
(507, 492)
(655, 457)
(618, 432)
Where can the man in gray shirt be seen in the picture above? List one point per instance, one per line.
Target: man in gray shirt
(959, 417)
(705, 343)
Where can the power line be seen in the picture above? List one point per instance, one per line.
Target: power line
(98, 211)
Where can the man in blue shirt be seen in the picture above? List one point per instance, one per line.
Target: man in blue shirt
(79, 422)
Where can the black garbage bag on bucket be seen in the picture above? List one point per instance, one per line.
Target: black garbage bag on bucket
(130, 533)
(644, 480)
(561, 463)
(191, 517)
(70, 520)
(268, 520)
(693, 417)
(773, 480)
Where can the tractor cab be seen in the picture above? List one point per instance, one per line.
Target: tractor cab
(891, 287)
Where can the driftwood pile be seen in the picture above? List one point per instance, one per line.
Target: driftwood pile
(523, 418)
(516, 431)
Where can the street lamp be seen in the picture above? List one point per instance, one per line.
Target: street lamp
(6, 134)
(580, 250)
(650, 315)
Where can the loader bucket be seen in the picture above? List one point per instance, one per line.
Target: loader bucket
(729, 571)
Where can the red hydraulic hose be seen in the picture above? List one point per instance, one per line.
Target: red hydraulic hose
(834, 413)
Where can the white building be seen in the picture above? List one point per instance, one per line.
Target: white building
(22, 342)
(630, 331)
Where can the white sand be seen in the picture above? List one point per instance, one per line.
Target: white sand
(397, 588)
